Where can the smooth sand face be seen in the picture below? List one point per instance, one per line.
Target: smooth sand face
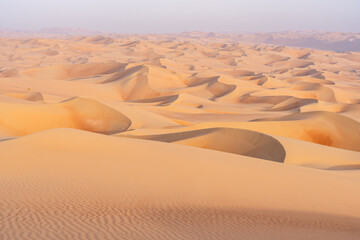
(177, 138)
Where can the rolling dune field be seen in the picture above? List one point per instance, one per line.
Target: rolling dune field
(176, 137)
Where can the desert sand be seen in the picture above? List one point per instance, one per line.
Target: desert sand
(177, 137)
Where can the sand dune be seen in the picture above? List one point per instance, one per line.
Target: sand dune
(323, 128)
(319, 156)
(291, 103)
(295, 63)
(237, 141)
(177, 136)
(86, 114)
(35, 97)
(267, 147)
(73, 71)
(9, 73)
(135, 191)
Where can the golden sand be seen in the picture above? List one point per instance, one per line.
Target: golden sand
(155, 138)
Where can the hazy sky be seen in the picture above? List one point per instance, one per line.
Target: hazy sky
(162, 16)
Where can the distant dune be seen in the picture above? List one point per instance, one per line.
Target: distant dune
(333, 41)
(48, 32)
(179, 136)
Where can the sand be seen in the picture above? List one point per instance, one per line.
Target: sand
(160, 137)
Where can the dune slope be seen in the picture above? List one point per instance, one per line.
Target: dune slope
(94, 186)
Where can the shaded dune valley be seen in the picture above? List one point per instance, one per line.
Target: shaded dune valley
(160, 137)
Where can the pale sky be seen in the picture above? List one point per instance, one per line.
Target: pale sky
(167, 16)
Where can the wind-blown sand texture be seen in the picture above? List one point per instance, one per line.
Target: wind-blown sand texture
(153, 137)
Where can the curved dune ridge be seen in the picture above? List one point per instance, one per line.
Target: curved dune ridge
(80, 113)
(231, 140)
(177, 136)
(176, 196)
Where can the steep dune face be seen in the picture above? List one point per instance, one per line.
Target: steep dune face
(80, 113)
(182, 136)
